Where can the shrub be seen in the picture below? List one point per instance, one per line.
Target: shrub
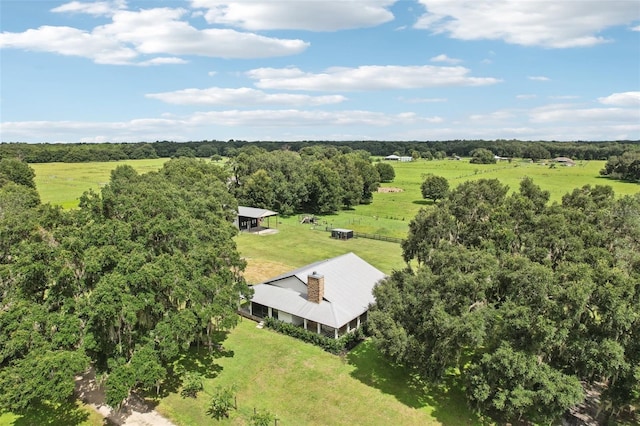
(191, 384)
(334, 346)
(222, 402)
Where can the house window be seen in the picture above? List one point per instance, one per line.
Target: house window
(259, 310)
(274, 313)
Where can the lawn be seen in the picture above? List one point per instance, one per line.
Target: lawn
(304, 385)
(298, 244)
(64, 415)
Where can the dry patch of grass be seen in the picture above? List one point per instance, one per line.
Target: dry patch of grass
(387, 189)
(258, 270)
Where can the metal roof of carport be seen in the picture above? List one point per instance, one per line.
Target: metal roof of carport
(254, 212)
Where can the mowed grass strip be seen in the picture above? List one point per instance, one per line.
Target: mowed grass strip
(303, 385)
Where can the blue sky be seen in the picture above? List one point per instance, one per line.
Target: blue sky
(129, 71)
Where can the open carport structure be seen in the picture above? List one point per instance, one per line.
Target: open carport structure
(253, 219)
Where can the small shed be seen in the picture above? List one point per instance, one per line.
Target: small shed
(341, 234)
(392, 157)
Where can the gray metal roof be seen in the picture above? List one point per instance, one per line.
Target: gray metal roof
(348, 290)
(254, 212)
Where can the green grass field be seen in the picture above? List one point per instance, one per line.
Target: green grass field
(63, 183)
(390, 212)
(304, 385)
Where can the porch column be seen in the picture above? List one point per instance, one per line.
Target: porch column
(269, 312)
(250, 307)
(358, 322)
(335, 332)
(304, 320)
(318, 328)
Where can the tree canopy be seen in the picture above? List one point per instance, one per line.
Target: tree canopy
(319, 179)
(525, 299)
(434, 187)
(126, 282)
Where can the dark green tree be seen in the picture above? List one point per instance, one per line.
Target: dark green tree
(386, 172)
(16, 171)
(434, 188)
(482, 156)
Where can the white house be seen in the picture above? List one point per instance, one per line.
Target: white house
(330, 297)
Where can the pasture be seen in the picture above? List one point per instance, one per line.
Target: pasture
(389, 213)
(63, 183)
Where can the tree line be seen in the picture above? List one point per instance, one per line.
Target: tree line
(527, 304)
(127, 282)
(536, 150)
(318, 179)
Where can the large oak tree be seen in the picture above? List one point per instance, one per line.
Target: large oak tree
(525, 299)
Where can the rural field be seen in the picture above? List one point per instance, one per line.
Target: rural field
(299, 382)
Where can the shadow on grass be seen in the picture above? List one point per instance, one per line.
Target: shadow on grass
(200, 360)
(423, 202)
(47, 415)
(447, 398)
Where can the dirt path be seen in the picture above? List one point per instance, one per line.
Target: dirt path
(135, 412)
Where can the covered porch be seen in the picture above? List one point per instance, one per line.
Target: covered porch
(261, 311)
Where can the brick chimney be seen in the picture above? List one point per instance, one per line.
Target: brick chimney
(315, 287)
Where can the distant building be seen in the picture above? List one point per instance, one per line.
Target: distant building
(392, 157)
(405, 159)
(566, 161)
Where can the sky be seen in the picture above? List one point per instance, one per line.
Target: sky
(291, 70)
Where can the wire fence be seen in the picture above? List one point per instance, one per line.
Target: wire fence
(378, 237)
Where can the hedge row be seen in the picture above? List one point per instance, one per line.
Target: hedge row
(334, 346)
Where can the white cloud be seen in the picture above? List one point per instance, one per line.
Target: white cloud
(444, 58)
(559, 24)
(163, 61)
(574, 114)
(622, 99)
(303, 118)
(371, 77)
(302, 15)
(70, 42)
(149, 32)
(161, 31)
(98, 8)
(241, 96)
(539, 78)
(211, 73)
(636, 28)
(184, 128)
(495, 116)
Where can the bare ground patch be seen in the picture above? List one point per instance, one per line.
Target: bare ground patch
(388, 189)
